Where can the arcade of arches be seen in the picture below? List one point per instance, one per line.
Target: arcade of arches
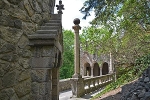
(95, 69)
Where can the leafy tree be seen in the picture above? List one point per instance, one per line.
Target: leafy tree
(66, 71)
(128, 20)
(105, 10)
(93, 38)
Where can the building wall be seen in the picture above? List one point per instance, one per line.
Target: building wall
(19, 18)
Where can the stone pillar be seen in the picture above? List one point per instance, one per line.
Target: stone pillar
(111, 66)
(77, 87)
(92, 71)
(76, 28)
(45, 63)
(77, 84)
(101, 70)
(41, 74)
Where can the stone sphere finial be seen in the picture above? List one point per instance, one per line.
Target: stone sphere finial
(76, 21)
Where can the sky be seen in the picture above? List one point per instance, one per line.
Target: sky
(71, 12)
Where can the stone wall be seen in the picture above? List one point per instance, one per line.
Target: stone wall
(19, 18)
(64, 84)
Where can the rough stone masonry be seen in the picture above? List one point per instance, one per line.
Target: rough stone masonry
(18, 19)
(140, 90)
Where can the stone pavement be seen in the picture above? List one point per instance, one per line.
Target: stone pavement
(66, 95)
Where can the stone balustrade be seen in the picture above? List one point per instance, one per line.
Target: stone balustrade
(95, 83)
(90, 84)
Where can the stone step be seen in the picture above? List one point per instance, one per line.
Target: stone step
(54, 21)
(49, 27)
(55, 16)
(47, 31)
(52, 24)
(42, 36)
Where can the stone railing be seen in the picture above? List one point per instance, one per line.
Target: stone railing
(95, 83)
(64, 84)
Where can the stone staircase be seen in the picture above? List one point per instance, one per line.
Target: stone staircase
(50, 32)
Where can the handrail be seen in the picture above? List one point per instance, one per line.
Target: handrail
(94, 83)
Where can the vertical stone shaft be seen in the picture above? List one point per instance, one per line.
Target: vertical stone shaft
(76, 28)
(77, 48)
(111, 66)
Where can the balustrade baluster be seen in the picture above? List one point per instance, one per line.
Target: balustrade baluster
(89, 84)
(93, 83)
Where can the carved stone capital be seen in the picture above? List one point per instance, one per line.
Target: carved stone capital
(76, 28)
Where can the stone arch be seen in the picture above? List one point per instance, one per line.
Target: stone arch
(96, 70)
(105, 69)
(87, 69)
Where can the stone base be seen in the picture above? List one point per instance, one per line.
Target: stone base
(77, 85)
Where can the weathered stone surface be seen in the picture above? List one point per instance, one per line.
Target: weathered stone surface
(147, 96)
(28, 8)
(23, 88)
(9, 57)
(45, 6)
(140, 89)
(24, 75)
(43, 88)
(9, 79)
(28, 28)
(35, 5)
(1, 4)
(6, 21)
(14, 97)
(19, 13)
(8, 94)
(3, 96)
(23, 41)
(36, 18)
(35, 88)
(2, 72)
(18, 24)
(1, 84)
(19, 18)
(41, 97)
(24, 62)
(40, 75)
(7, 48)
(11, 35)
(27, 97)
(14, 1)
(146, 79)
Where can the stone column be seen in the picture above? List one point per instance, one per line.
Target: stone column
(111, 66)
(92, 71)
(76, 28)
(101, 70)
(77, 84)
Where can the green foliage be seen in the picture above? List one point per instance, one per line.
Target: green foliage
(106, 10)
(128, 74)
(67, 69)
(96, 39)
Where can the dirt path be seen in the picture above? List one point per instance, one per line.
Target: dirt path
(112, 95)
